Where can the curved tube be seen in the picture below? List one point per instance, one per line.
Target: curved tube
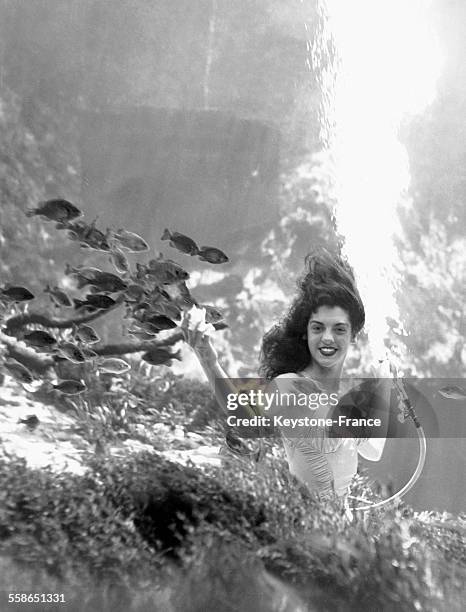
(411, 481)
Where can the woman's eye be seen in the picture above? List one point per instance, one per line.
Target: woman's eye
(341, 330)
(315, 328)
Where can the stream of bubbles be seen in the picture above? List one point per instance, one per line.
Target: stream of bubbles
(382, 64)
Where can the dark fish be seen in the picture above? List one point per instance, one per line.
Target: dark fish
(72, 352)
(212, 255)
(88, 353)
(114, 365)
(453, 392)
(130, 241)
(166, 272)
(96, 240)
(40, 339)
(86, 334)
(18, 371)
(220, 325)
(88, 235)
(212, 314)
(16, 294)
(104, 281)
(58, 297)
(119, 260)
(160, 322)
(97, 300)
(181, 242)
(159, 302)
(31, 421)
(70, 387)
(160, 356)
(55, 210)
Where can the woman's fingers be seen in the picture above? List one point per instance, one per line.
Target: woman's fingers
(194, 337)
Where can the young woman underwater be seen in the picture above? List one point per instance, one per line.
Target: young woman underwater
(304, 354)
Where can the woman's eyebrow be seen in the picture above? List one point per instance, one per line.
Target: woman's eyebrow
(320, 322)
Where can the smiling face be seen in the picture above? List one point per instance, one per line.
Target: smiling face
(328, 338)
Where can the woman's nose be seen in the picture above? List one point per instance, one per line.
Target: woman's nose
(327, 336)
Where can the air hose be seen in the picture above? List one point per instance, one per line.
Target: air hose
(407, 411)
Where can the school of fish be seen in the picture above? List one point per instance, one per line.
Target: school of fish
(154, 294)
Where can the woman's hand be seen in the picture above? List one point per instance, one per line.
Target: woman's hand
(382, 369)
(195, 332)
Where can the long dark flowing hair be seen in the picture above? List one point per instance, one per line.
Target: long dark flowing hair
(328, 280)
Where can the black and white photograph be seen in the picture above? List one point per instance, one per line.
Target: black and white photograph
(232, 305)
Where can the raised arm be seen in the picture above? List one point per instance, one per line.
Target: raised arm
(218, 379)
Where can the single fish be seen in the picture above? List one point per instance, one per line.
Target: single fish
(84, 271)
(140, 334)
(55, 210)
(212, 255)
(160, 322)
(130, 241)
(31, 421)
(58, 297)
(119, 260)
(212, 314)
(160, 356)
(220, 325)
(40, 339)
(453, 392)
(19, 371)
(70, 387)
(72, 352)
(88, 353)
(113, 365)
(182, 243)
(97, 240)
(88, 235)
(98, 301)
(166, 271)
(110, 281)
(107, 284)
(86, 334)
(16, 294)
(148, 328)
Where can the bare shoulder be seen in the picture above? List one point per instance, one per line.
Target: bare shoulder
(283, 379)
(287, 375)
(293, 382)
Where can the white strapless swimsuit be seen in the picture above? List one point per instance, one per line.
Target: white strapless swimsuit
(323, 464)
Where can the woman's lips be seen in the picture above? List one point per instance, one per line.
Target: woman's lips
(327, 351)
